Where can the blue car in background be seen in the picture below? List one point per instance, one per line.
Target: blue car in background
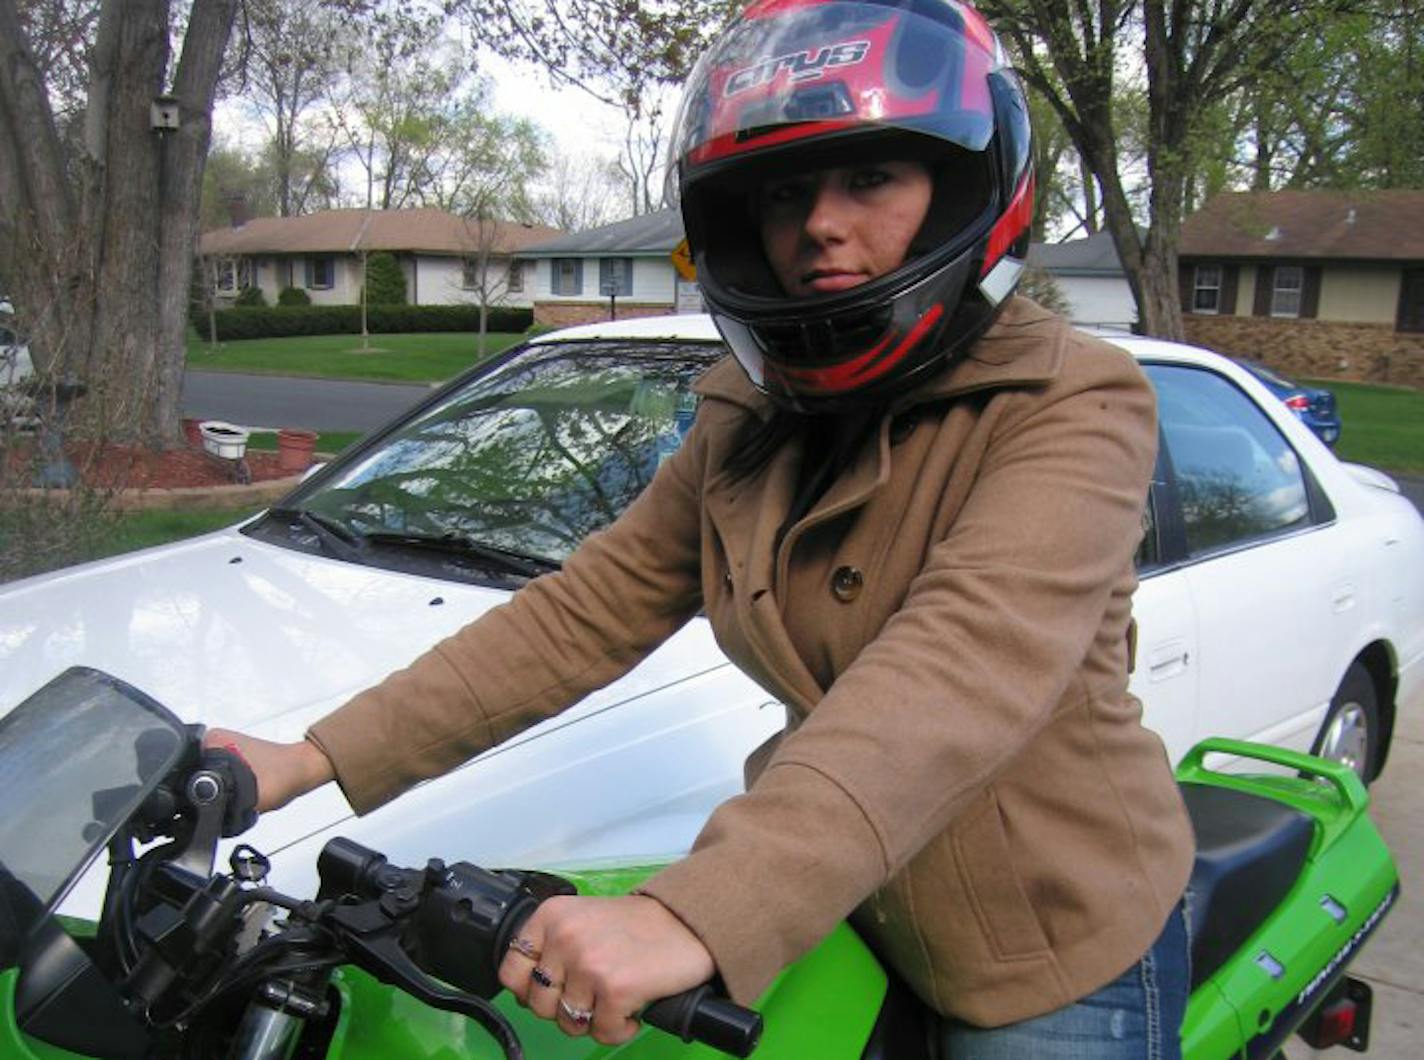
(1314, 406)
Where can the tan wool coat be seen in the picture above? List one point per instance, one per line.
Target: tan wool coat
(969, 779)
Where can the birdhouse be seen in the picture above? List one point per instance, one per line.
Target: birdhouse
(163, 114)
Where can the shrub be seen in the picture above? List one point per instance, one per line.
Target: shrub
(293, 296)
(250, 297)
(237, 324)
(385, 283)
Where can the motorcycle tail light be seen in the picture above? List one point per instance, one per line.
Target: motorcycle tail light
(1343, 1018)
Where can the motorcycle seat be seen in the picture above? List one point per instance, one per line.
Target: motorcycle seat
(1250, 852)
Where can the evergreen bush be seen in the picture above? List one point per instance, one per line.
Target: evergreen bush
(385, 283)
(250, 297)
(293, 296)
(236, 324)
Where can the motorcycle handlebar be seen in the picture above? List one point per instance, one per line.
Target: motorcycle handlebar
(464, 910)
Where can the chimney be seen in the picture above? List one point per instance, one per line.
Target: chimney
(237, 210)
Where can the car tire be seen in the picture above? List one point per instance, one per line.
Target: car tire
(1351, 732)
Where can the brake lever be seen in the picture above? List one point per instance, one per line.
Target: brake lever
(369, 935)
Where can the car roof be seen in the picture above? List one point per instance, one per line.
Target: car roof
(698, 327)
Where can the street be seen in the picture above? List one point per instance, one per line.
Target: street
(284, 401)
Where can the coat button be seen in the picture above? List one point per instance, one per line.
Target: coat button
(727, 579)
(846, 583)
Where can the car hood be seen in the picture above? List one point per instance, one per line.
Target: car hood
(232, 632)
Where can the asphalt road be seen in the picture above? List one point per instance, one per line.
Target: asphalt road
(284, 401)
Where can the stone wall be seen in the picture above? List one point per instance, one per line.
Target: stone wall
(566, 314)
(1316, 349)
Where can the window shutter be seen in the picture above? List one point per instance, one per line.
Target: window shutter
(578, 277)
(308, 263)
(1186, 284)
(1230, 281)
(1265, 282)
(1310, 292)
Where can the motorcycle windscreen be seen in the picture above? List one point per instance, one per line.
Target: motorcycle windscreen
(77, 759)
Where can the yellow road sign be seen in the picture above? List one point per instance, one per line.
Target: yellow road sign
(682, 262)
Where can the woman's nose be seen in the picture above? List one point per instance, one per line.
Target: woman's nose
(829, 218)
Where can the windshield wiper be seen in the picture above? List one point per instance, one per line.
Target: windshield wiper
(505, 559)
(336, 537)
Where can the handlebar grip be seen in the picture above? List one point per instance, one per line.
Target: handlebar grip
(702, 1015)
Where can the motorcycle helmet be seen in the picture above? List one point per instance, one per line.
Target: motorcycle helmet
(794, 86)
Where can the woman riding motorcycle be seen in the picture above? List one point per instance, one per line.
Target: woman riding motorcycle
(908, 507)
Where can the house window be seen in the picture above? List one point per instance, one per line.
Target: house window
(615, 276)
(470, 274)
(1285, 290)
(321, 272)
(1206, 291)
(515, 280)
(225, 275)
(567, 276)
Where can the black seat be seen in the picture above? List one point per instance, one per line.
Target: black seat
(1250, 852)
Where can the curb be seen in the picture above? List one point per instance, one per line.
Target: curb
(250, 495)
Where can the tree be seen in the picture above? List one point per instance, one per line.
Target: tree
(292, 59)
(641, 161)
(385, 283)
(233, 174)
(578, 192)
(102, 224)
(1194, 53)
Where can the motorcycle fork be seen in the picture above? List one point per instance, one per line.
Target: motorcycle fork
(278, 1013)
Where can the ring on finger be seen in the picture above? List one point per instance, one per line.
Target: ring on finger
(522, 946)
(542, 977)
(578, 1016)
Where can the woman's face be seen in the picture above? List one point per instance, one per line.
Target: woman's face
(833, 229)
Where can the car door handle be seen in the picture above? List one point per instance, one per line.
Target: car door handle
(1167, 660)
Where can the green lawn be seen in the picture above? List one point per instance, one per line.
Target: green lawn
(326, 441)
(425, 357)
(134, 530)
(1382, 426)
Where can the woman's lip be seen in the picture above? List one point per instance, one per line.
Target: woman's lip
(833, 280)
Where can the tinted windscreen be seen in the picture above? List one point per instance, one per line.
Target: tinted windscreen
(76, 759)
(530, 457)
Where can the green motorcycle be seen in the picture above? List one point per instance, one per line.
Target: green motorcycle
(184, 962)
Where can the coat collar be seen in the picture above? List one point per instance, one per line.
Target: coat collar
(1023, 347)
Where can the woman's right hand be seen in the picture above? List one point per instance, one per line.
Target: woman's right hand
(283, 770)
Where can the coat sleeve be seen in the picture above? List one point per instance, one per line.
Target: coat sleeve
(990, 638)
(622, 593)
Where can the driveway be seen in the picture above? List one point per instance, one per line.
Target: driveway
(285, 401)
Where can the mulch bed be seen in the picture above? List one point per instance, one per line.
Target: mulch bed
(128, 467)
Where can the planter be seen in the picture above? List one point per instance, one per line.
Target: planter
(295, 449)
(192, 431)
(223, 440)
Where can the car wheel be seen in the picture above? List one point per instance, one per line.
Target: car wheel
(1351, 731)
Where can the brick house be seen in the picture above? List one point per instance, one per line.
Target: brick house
(1327, 284)
(438, 252)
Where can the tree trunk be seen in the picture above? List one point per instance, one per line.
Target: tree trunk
(108, 236)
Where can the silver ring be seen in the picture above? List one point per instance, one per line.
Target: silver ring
(576, 1015)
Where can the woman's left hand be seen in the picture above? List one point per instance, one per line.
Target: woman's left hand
(593, 964)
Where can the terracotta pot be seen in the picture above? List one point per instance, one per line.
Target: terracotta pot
(294, 449)
(193, 432)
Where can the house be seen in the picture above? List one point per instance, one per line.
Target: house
(438, 252)
(1318, 283)
(624, 269)
(1089, 274)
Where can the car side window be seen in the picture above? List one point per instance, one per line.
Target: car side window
(1237, 478)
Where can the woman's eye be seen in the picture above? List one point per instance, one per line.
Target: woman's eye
(781, 194)
(869, 178)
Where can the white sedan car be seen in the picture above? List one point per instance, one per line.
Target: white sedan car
(1282, 599)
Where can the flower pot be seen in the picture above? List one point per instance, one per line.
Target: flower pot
(193, 432)
(223, 439)
(294, 449)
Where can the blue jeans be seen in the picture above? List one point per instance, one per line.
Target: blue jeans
(1137, 1016)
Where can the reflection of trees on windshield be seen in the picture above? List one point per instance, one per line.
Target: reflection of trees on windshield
(533, 458)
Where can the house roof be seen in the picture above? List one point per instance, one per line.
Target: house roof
(1094, 255)
(346, 231)
(1359, 225)
(654, 233)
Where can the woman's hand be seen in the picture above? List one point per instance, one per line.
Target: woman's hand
(593, 964)
(283, 770)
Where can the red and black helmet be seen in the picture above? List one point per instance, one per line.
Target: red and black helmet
(793, 86)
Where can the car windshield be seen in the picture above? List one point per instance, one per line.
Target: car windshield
(77, 758)
(526, 459)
